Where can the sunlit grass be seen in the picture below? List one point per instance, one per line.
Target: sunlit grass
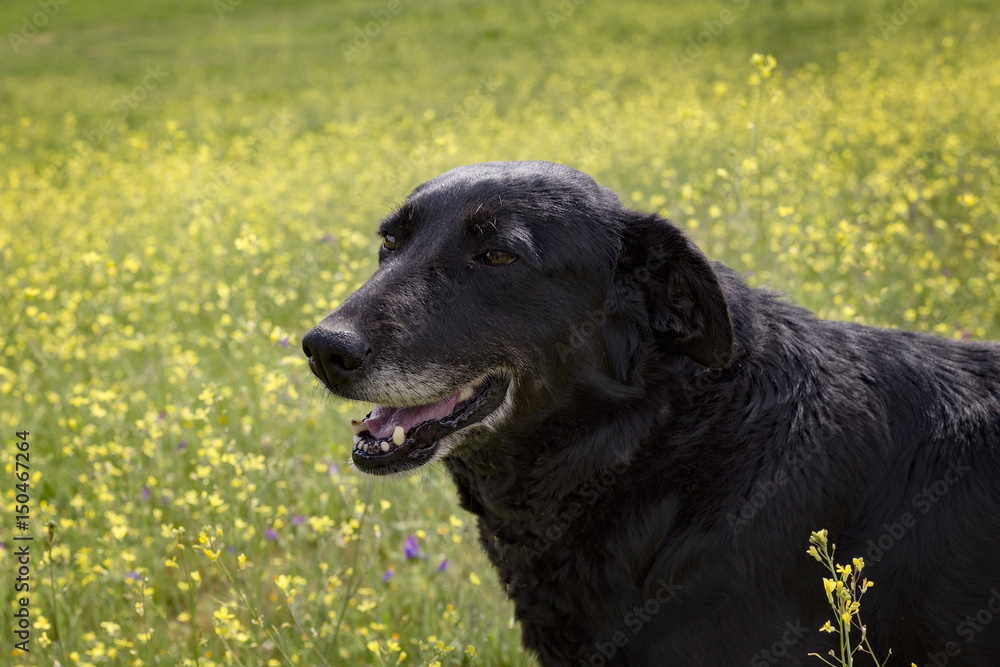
(157, 279)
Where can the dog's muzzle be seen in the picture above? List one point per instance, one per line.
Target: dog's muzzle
(336, 355)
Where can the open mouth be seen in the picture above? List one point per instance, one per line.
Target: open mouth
(392, 440)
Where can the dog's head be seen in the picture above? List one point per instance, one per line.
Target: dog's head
(501, 283)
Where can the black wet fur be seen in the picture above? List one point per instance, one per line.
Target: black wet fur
(675, 435)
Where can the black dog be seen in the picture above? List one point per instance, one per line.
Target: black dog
(648, 442)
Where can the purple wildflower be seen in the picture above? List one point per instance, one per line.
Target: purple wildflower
(270, 533)
(443, 565)
(297, 520)
(387, 576)
(412, 548)
(146, 493)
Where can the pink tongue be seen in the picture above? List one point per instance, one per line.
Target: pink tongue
(384, 420)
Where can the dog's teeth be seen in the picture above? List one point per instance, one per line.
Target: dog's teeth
(384, 445)
(357, 439)
(466, 394)
(398, 435)
(357, 426)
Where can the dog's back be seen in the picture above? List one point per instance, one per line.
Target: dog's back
(891, 440)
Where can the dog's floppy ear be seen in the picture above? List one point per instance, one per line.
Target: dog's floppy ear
(681, 291)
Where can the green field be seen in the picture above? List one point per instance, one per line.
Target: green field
(187, 187)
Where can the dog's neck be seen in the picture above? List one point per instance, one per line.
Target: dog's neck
(539, 462)
(594, 437)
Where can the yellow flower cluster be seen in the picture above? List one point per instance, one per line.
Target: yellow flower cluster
(843, 593)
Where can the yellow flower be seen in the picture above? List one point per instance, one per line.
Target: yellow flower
(967, 199)
(765, 64)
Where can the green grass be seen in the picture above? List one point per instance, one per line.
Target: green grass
(160, 266)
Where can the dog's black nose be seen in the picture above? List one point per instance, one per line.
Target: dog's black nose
(335, 355)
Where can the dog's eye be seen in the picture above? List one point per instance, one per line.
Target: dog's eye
(389, 242)
(496, 258)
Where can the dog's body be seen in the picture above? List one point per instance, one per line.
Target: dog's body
(648, 442)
